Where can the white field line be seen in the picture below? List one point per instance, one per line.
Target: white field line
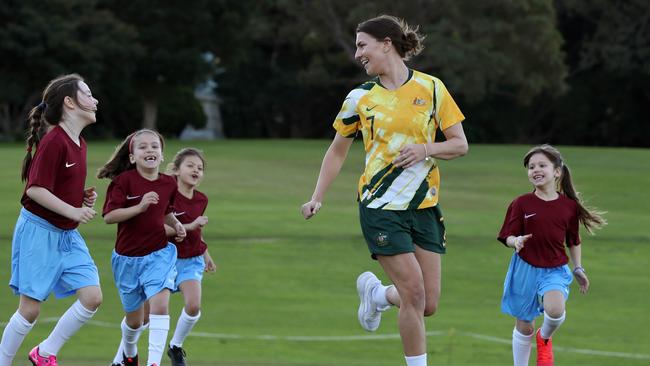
(369, 337)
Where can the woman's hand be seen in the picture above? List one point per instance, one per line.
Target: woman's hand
(310, 209)
(410, 154)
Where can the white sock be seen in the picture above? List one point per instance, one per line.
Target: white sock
(379, 296)
(158, 329)
(550, 325)
(420, 360)
(12, 338)
(521, 345)
(129, 341)
(120, 350)
(71, 321)
(183, 327)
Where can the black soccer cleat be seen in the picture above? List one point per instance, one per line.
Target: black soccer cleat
(177, 355)
(129, 361)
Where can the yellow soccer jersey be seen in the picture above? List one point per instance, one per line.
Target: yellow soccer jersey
(389, 120)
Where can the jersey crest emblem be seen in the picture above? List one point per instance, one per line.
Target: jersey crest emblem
(418, 101)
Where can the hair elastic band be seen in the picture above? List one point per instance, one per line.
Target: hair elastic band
(42, 106)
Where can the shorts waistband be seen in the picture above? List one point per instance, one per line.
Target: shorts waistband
(41, 221)
(66, 235)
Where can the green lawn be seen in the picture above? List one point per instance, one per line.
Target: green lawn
(284, 292)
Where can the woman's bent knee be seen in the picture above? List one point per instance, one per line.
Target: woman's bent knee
(430, 309)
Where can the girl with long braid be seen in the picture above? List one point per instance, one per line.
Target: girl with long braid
(48, 253)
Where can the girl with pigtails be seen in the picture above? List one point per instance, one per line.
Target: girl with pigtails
(193, 258)
(537, 226)
(48, 253)
(140, 200)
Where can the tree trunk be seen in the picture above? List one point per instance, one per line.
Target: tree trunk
(5, 121)
(149, 112)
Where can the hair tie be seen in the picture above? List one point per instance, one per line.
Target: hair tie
(41, 107)
(29, 148)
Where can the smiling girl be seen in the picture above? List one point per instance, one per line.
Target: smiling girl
(48, 253)
(140, 200)
(193, 258)
(537, 225)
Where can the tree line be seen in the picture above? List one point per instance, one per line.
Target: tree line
(526, 71)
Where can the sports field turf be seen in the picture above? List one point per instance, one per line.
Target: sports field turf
(284, 292)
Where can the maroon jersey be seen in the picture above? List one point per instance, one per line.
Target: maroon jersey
(187, 210)
(552, 224)
(59, 165)
(143, 233)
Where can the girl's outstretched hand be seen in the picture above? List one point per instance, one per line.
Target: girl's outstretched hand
(581, 276)
(310, 209)
(520, 241)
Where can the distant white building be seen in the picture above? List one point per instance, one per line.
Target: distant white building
(209, 100)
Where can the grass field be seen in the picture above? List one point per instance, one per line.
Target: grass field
(284, 292)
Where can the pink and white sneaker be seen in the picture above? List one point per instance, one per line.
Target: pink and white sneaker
(38, 360)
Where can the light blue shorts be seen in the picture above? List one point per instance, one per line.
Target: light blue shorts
(189, 269)
(525, 286)
(45, 258)
(139, 278)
